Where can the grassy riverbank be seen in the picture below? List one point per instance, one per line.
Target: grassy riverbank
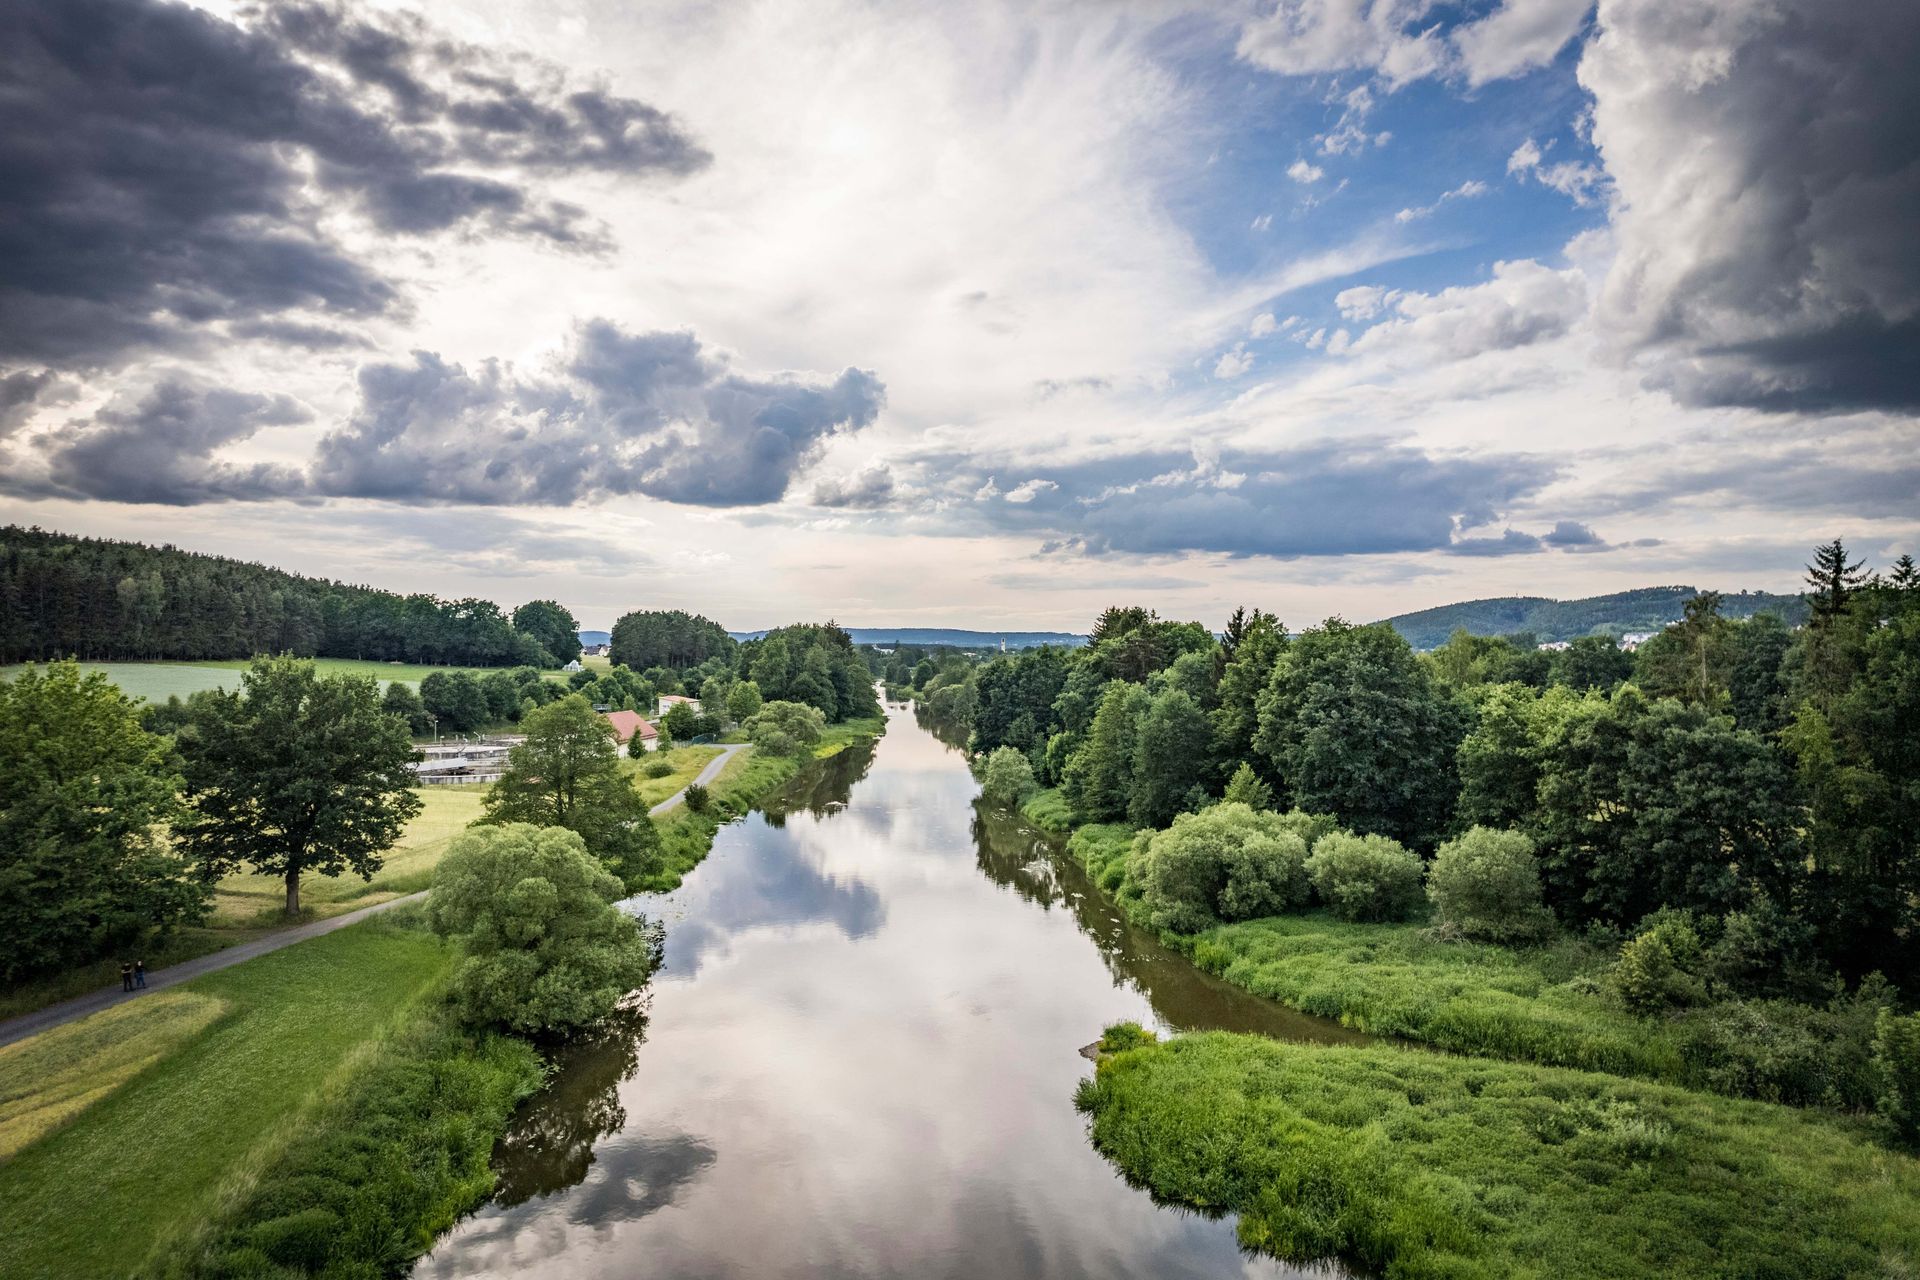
(1547, 1003)
(686, 837)
(1415, 1164)
(246, 907)
(183, 1121)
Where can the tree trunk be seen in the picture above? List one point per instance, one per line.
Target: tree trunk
(293, 891)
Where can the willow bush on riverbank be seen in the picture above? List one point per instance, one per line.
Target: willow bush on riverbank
(1417, 1165)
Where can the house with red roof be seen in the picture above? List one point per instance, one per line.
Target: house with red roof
(633, 730)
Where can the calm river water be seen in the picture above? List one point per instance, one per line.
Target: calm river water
(859, 1059)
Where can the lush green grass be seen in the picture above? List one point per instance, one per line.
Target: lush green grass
(1537, 1005)
(1547, 1004)
(687, 837)
(247, 907)
(48, 1080)
(1049, 811)
(687, 763)
(385, 672)
(168, 1147)
(378, 1173)
(1414, 1164)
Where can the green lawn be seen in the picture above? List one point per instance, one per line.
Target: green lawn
(248, 906)
(159, 1154)
(687, 763)
(1414, 1164)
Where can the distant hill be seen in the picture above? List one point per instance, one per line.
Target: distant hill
(948, 635)
(1644, 609)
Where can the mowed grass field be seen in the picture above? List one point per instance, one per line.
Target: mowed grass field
(157, 681)
(246, 907)
(135, 1124)
(254, 902)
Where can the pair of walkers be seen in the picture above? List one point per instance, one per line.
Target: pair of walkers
(133, 977)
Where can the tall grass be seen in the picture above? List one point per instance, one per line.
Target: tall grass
(365, 1188)
(1413, 1164)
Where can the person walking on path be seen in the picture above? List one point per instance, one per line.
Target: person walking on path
(139, 975)
(126, 976)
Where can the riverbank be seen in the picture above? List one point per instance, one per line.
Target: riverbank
(686, 835)
(1415, 1164)
(1545, 1003)
(201, 1088)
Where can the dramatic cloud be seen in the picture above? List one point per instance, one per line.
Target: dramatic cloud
(1329, 498)
(164, 169)
(1767, 162)
(651, 413)
(160, 447)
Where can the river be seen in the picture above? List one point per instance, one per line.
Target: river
(859, 1059)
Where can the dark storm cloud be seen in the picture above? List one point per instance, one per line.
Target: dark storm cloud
(160, 447)
(19, 392)
(1324, 499)
(1571, 535)
(1767, 160)
(651, 413)
(1512, 542)
(155, 163)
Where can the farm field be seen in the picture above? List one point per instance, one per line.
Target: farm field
(157, 681)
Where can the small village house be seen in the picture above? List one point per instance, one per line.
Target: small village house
(635, 732)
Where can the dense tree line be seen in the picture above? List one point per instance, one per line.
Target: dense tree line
(813, 664)
(94, 598)
(1759, 777)
(668, 638)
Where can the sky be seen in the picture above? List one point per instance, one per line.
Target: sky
(984, 315)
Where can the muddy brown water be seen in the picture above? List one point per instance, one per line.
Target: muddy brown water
(859, 1059)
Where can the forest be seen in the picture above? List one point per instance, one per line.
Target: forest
(99, 599)
(1738, 793)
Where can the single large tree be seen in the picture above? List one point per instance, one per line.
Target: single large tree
(83, 789)
(552, 626)
(567, 774)
(1172, 760)
(1832, 580)
(296, 772)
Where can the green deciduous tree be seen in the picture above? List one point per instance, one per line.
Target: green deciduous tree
(567, 774)
(1591, 662)
(403, 700)
(552, 626)
(297, 772)
(1007, 778)
(1354, 726)
(1366, 877)
(83, 789)
(1099, 776)
(1649, 804)
(546, 951)
(743, 701)
(786, 728)
(455, 700)
(1172, 760)
(1486, 884)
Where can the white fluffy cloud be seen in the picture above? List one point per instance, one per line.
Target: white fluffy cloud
(1522, 304)
(1404, 40)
